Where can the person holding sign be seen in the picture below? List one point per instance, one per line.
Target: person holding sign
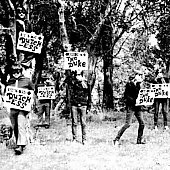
(160, 79)
(130, 95)
(18, 116)
(45, 92)
(79, 99)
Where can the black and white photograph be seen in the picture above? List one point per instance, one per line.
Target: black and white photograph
(84, 85)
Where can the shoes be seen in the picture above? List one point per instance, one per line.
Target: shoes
(19, 150)
(84, 142)
(140, 141)
(166, 128)
(156, 128)
(115, 142)
(47, 126)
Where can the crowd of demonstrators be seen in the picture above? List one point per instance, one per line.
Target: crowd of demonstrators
(79, 96)
(130, 95)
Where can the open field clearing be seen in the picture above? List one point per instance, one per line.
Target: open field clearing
(53, 149)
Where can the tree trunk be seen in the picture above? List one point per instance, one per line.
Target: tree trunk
(108, 83)
(108, 69)
(66, 47)
(63, 30)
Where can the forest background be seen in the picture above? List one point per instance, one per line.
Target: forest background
(119, 36)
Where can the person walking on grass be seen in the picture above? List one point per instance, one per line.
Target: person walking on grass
(19, 117)
(160, 79)
(130, 95)
(79, 101)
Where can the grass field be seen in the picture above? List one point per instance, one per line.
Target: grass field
(53, 149)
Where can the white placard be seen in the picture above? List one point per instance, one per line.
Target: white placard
(161, 90)
(76, 60)
(18, 98)
(30, 42)
(46, 92)
(145, 97)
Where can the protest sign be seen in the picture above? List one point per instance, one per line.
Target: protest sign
(161, 90)
(18, 98)
(46, 92)
(76, 60)
(30, 42)
(145, 97)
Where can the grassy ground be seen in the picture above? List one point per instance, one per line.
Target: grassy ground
(53, 149)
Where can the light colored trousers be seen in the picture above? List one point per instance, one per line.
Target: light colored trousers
(19, 123)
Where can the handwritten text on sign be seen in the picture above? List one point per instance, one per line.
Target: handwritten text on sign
(145, 97)
(76, 60)
(47, 92)
(19, 98)
(161, 90)
(30, 42)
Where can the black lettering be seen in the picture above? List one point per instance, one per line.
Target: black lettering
(25, 45)
(27, 40)
(15, 96)
(23, 98)
(70, 64)
(18, 103)
(79, 63)
(140, 101)
(39, 43)
(19, 97)
(10, 95)
(13, 101)
(83, 64)
(22, 39)
(22, 105)
(71, 59)
(28, 99)
(32, 41)
(68, 58)
(49, 94)
(75, 63)
(34, 48)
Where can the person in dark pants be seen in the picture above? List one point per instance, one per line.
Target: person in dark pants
(79, 99)
(44, 105)
(163, 101)
(18, 117)
(131, 93)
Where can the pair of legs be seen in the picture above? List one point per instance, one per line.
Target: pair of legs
(129, 114)
(19, 123)
(164, 111)
(44, 107)
(81, 111)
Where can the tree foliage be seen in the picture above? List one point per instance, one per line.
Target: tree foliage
(103, 28)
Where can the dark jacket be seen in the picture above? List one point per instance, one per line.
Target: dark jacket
(162, 80)
(23, 82)
(131, 93)
(79, 95)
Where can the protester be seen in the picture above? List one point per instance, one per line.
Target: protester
(18, 117)
(130, 95)
(44, 105)
(79, 98)
(160, 79)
